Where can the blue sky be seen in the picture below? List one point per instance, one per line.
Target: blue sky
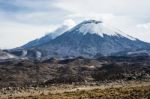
(24, 20)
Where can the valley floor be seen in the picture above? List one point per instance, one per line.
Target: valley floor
(117, 90)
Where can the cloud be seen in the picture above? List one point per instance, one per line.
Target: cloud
(26, 5)
(105, 17)
(69, 22)
(105, 6)
(31, 12)
(16, 34)
(24, 20)
(145, 26)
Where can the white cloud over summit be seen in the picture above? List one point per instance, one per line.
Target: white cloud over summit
(69, 22)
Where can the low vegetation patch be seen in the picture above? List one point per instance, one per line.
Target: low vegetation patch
(142, 92)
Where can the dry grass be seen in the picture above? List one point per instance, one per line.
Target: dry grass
(127, 92)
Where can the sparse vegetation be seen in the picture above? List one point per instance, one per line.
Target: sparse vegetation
(142, 92)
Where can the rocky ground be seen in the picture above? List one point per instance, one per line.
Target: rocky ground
(25, 74)
(15, 73)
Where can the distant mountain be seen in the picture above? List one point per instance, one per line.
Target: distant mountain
(88, 39)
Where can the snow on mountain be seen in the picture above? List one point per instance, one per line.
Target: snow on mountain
(5, 55)
(100, 28)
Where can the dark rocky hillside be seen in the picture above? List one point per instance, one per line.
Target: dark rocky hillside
(53, 71)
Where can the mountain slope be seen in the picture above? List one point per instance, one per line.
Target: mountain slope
(90, 38)
(47, 38)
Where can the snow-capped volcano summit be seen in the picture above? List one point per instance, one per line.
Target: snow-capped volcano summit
(99, 28)
(89, 39)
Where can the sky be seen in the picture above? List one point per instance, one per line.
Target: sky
(24, 20)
